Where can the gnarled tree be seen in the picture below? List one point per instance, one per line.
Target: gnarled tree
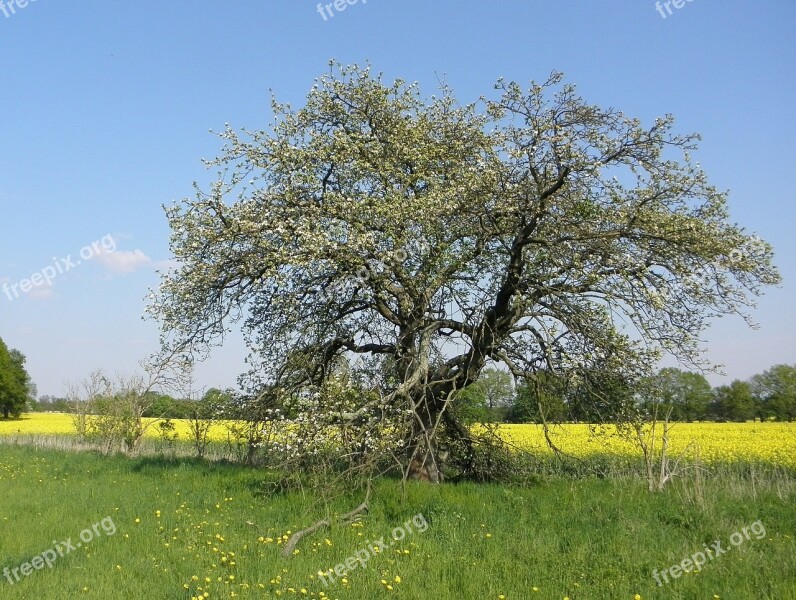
(530, 229)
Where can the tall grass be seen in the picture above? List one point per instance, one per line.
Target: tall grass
(181, 521)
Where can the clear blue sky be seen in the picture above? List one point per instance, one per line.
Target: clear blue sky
(105, 111)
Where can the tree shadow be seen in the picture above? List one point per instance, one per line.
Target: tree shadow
(160, 463)
(21, 417)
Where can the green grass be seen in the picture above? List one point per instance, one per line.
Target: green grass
(585, 539)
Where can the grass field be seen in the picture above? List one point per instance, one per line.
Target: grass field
(186, 529)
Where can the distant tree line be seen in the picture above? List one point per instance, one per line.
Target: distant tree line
(157, 405)
(688, 396)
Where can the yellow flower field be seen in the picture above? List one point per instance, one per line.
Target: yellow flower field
(715, 442)
(773, 443)
(61, 424)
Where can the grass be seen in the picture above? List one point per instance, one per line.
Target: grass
(582, 539)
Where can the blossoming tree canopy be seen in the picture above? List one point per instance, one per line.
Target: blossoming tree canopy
(431, 238)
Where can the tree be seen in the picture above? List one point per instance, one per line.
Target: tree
(111, 413)
(470, 405)
(16, 386)
(488, 399)
(164, 406)
(687, 394)
(51, 404)
(531, 229)
(498, 386)
(541, 400)
(734, 402)
(201, 416)
(118, 411)
(18, 360)
(776, 389)
(603, 395)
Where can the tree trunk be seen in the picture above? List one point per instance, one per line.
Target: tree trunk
(424, 465)
(423, 452)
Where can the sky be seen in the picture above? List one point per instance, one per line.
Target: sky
(107, 107)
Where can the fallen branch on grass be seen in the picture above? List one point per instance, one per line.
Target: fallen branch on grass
(343, 519)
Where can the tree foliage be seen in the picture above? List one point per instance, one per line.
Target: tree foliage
(775, 390)
(111, 413)
(16, 386)
(530, 229)
(734, 402)
(687, 394)
(498, 387)
(486, 400)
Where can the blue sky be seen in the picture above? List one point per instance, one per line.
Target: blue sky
(106, 107)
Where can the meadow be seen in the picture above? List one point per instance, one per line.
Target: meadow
(185, 528)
